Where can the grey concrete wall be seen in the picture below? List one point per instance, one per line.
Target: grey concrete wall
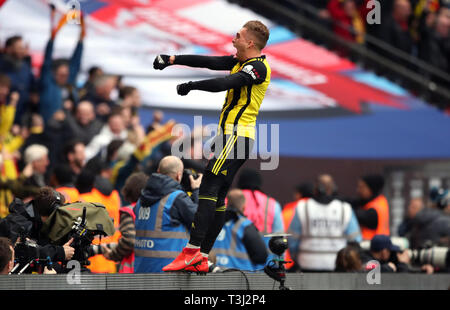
(226, 281)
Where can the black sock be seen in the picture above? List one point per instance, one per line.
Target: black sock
(203, 218)
(213, 232)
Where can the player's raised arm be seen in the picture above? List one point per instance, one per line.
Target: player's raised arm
(197, 61)
(252, 73)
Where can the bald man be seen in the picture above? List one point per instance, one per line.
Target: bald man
(321, 226)
(239, 244)
(84, 126)
(164, 213)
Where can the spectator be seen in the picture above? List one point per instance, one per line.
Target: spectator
(424, 14)
(94, 73)
(415, 205)
(31, 107)
(75, 156)
(395, 29)
(8, 175)
(103, 162)
(130, 97)
(123, 250)
(348, 23)
(6, 256)
(12, 184)
(263, 210)
(7, 106)
(158, 116)
(385, 10)
(58, 78)
(321, 226)
(434, 46)
(36, 156)
(83, 125)
(371, 207)
(136, 132)
(114, 129)
(101, 95)
(239, 244)
(144, 153)
(38, 135)
(16, 64)
(164, 213)
(425, 226)
(348, 259)
(382, 250)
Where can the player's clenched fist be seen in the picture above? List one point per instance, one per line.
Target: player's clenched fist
(184, 89)
(161, 61)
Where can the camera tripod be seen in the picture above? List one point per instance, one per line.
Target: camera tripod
(276, 270)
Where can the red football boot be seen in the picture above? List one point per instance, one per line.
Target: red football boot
(203, 267)
(188, 257)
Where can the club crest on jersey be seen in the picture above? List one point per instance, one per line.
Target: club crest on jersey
(249, 69)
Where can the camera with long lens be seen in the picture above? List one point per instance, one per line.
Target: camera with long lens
(275, 269)
(438, 257)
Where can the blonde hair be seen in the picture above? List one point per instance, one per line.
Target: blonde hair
(259, 32)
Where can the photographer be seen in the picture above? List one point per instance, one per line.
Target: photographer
(171, 207)
(390, 257)
(25, 222)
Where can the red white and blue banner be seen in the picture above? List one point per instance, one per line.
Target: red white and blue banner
(326, 106)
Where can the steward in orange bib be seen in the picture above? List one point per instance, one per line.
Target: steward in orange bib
(123, 250)
(302, 192)
(372, 207)
(85, 185)
(62, 180)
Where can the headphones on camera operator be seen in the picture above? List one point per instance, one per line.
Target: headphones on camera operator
(27, 250)
(58, 202)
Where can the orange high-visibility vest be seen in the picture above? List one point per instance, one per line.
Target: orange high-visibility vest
(98, 263)
(380, 204)
(70, 193)
(287, 214)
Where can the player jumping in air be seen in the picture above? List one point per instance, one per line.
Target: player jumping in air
(246, 86)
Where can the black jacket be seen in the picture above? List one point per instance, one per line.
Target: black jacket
(367, 256)
(183, 208)
(429, 226)
(25, 220)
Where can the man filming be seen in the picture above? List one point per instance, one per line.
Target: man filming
(25, 222)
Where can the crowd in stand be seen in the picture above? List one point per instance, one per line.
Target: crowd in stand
(89, 144)
(402, 31)
(417, 27)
